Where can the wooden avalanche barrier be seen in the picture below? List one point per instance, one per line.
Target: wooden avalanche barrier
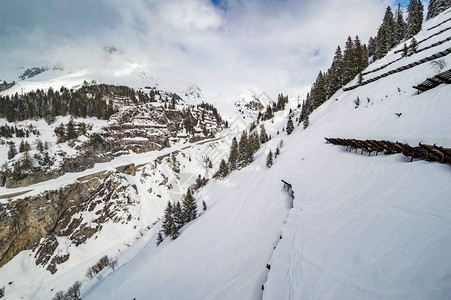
(422, 151)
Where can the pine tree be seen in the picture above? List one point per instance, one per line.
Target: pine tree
(372, 48)
(277, 152)
(245, 156)
(263, 134)
(46, 158)
(40, 146)
(405, 50)
(12, 152)
(364, 57)
(385, 34)
(358, 57)
(22, 146)
(290, 126)
(159, 238)
(400, 26)
(70, 130)
(189, 207)
(223, 170)
(178, 220)
(413, 46)
(419, 15)
(17, 172)
(204, 205)
(318, 92)
(348, 60)
(411, 8)
(414, 17)
(269, 160)
(304, 112)
(233, 157)
(306, 122)
(254, 142)
(335, 81)
(26, 161)
(168, 221)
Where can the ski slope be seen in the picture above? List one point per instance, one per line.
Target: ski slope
(361, 227)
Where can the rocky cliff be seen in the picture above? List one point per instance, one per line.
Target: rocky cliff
(76, 211)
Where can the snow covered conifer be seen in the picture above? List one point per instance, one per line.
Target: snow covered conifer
(405, 50)
(335, 78)
(189, 207)
(277, 152)
(385, 34)
(26, 162)
(263, 134)
(400, 26)
(245, 155)
(223, 170)
(419, 16)
(178, 217)
(40, 146)
(290, 126)
(306, 122)
(269, 160)
(347, 60)
(168, 221)
(414, 18)
(413, 46)
(254, 142)
(233, 157)
(22, 146)
(12, 151)
(204, 205)
(358, 57)
(70, 130)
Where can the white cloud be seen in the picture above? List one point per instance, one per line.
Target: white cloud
(271, 45)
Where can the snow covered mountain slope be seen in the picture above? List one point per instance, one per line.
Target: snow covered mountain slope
(362, 227)
(359, 227)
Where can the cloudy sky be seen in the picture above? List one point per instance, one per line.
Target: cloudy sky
(220, 45)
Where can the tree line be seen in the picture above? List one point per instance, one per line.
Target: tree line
(395, 29)
(88, 101)
(350, 62)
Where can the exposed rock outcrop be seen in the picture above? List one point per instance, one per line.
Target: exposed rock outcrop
(76, 211)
